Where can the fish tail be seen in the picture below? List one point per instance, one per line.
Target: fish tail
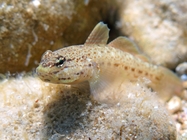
(169, 84)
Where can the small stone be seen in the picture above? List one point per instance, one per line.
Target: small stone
(183, 77)
(174, 104)
(184, 94)
(185, 84)
(182, 68)
(182, 117)
(178, 126)
(184, 135)
(184, 125)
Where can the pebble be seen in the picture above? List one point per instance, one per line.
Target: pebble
(185, 84)
(181, 69)
(183, 77)
(184, 125)
(178, 126)
(174, 104)
(184, 94)
(182, 117)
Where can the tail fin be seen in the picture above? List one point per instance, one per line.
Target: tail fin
(169, 85)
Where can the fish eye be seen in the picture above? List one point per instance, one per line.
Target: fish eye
(60, 61)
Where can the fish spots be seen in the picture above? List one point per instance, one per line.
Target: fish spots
(139, 71)
(47, 64)
(55, 72)
(79, 73)
(69, 60)
(157, 78)
(79, 60)
(136, 76)
(64, 78)
(47, 80)
(116, 65)
(126, 67)
(102, 63)
(61, 79)
(132, 69)
(149, 75)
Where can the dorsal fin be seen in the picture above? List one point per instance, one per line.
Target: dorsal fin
(99, 35)
(127, 45)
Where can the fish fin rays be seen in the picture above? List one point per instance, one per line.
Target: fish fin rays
(105, 87)
(99, 35)
(126, 45)
(144, 58)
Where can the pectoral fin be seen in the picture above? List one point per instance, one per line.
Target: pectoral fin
(106, 84)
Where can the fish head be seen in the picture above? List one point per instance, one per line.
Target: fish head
(65, 66)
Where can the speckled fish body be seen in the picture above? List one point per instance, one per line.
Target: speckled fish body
(106, 67)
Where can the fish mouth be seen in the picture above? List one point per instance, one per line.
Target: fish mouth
(39, 70)
(42, 72)
(44, 75)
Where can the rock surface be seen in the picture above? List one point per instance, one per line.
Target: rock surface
(32, 109)
(28, 29)
(158, 27)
